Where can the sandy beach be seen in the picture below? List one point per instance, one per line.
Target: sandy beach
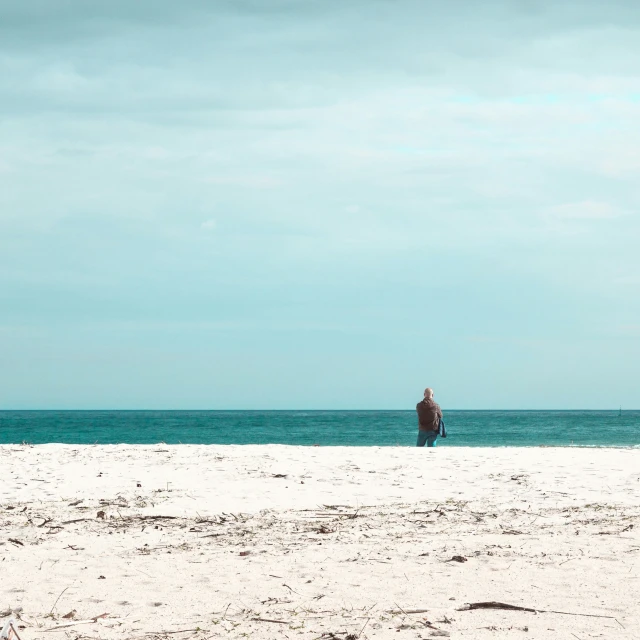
(333, 543)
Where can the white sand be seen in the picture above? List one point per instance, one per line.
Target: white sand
(348, 536)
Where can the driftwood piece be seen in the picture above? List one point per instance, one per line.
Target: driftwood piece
(514, 607)
(76, 520)
(495, 605)
(457, 559)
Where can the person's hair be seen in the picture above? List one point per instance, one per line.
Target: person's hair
(428, 392)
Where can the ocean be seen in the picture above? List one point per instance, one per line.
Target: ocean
(323, 428)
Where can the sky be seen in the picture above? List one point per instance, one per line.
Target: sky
(308, 204)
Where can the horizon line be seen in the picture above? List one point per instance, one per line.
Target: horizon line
(298, 410)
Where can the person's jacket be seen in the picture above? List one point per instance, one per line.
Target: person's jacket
(429, 414)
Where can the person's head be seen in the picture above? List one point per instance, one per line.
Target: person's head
(428, 393)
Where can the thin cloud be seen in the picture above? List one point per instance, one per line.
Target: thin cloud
(209, 225)
(248, 181)
(587, 210)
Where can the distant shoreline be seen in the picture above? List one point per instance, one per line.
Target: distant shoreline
(315, 446)
(326, 428)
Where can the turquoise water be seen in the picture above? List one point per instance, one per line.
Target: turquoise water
(346, 428)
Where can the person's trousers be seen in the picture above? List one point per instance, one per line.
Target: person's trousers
(427, 437)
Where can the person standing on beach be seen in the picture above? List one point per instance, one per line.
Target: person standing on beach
(429, 416)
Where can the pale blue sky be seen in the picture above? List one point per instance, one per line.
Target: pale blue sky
(319, 204)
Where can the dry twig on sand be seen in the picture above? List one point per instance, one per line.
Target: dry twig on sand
(58, 598)
(268, 620)
(407, 611)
